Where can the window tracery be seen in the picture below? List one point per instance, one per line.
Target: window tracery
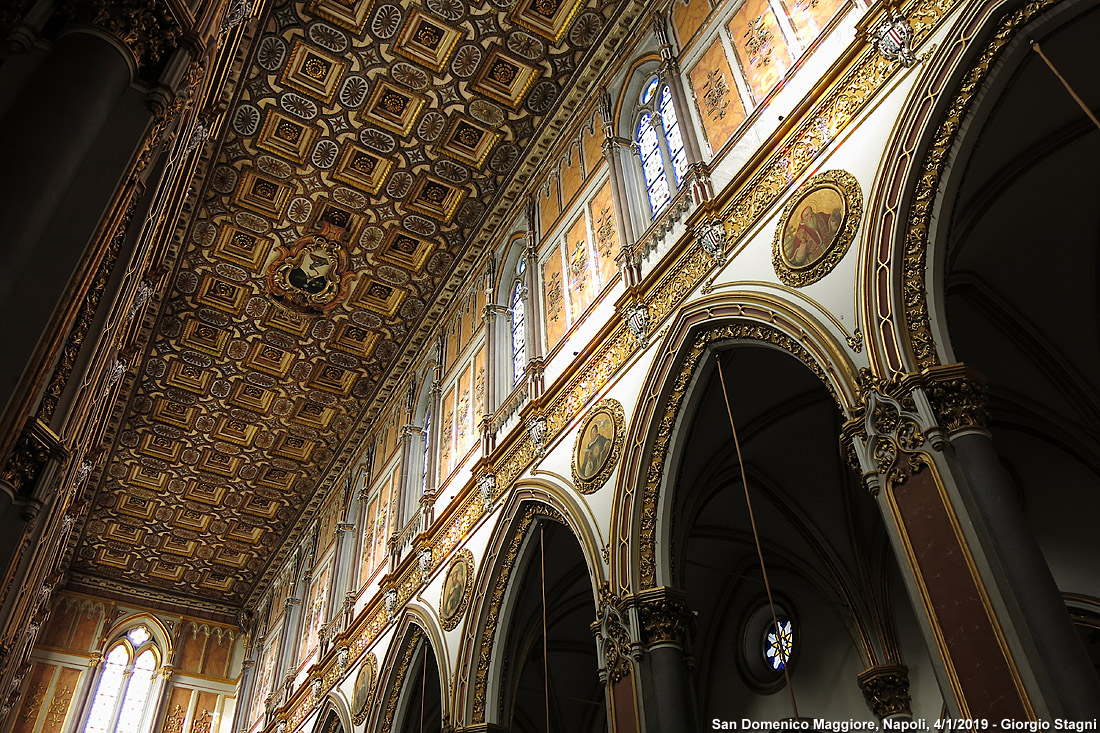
(124, 691)
(660, 144)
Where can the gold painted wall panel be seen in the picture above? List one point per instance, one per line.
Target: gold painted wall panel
(760, 45)
(688, 17)
(606, 233)
(592, 143)
(582, 286)
(57, 711)
(549, 208)
(446, 434)
(553, 299)
(571, 175)
(716, 97)
(809, 17)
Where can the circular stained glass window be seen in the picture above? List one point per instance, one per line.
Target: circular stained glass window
(649, 90)
(779, 643)
(769, 645)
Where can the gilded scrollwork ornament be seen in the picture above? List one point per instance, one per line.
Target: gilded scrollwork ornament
(613, 638)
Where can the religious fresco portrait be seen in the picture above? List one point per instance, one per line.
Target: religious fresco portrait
(457, 587)
(816, 227)
(598, 445)
(364, 685)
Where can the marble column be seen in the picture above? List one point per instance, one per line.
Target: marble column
(983, 597)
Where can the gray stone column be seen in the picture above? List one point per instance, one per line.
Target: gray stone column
(668, 698)
(998, 634)
(1041, 606)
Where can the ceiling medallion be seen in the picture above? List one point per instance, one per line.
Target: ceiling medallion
(311, 276)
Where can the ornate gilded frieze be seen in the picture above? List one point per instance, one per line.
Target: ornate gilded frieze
(654, 472)
(494, 603)
(613, 638)
(915, 268)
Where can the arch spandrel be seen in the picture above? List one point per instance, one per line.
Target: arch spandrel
(721, 318)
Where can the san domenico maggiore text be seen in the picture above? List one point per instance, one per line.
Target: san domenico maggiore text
(904, 725)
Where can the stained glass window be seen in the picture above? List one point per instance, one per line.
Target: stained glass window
(110, 685)
(424, 457)
(672, 136)
(779, 643)
(519, 339)
(660, 144)
(137, 693)
(125, 685)
(653, 164)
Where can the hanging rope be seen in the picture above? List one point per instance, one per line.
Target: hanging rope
(1081, 102)
(423, 685)
(755, 534)
(545, 658)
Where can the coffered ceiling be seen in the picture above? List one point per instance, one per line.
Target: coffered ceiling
(368, 150)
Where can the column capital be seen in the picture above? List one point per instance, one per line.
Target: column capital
(664, 616)
(886, 689)
(146, 28)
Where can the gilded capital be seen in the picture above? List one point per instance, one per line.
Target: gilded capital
(958, 397)
(664, 616)
(886, 689)
(146, 27)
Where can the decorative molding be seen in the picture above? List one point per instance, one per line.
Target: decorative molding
(613, 639)
(929, 174)
(505, 566)
(654, 472)
(399, 672)
(885, 687)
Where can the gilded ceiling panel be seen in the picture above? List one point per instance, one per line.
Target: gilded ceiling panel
(365, 144)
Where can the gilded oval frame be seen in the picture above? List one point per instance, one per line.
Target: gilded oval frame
(362, 705)
(450, 620)
(590, 480)
(847, 190)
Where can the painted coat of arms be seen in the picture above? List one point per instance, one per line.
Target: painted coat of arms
(311, 274)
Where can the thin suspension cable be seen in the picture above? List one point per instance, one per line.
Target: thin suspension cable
(545, 658)
(423, 685)
(1080, 102)
(755, 534)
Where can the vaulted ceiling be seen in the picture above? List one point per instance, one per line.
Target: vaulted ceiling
(368, 152)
